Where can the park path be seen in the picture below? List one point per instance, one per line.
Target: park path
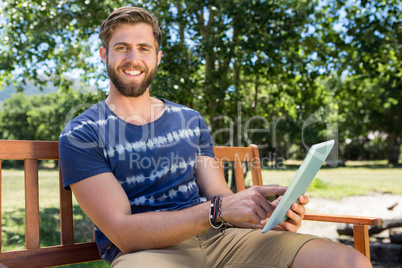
(375, 205)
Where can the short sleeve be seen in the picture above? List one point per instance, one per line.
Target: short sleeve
(205, 146)
(81, 156)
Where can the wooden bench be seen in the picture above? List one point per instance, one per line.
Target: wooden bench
(69, 252)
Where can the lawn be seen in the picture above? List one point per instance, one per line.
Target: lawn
(343, 181)
(329, 182)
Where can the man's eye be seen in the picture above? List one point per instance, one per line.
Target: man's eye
(144, 49)
(121, 48)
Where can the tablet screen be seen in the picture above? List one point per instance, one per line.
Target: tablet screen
(303, 178)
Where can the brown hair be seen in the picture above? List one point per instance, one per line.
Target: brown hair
(128, 15)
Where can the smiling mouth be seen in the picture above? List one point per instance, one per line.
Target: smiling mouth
(132, 72)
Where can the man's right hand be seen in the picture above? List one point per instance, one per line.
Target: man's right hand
(250, 207)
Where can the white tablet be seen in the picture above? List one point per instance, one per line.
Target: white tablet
(303, 178)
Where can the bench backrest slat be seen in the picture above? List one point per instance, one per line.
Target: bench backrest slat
(239, 155)
(20, 150)
(32, 237)
(66, 214)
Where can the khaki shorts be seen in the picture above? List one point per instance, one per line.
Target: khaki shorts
(234, 248)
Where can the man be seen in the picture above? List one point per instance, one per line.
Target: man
(143, 170)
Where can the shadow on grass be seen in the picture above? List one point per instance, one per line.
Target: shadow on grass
(13, 231)
(13, 227)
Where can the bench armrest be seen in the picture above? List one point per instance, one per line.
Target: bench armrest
(361, 220)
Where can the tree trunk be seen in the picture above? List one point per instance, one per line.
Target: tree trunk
(394, 148)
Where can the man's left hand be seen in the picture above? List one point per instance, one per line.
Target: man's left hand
(295, 216)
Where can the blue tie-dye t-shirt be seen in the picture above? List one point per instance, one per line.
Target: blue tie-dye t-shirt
(154, 163)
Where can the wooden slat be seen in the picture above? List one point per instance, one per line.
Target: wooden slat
(221, 166)
(361, 239)
(31, 204)
(241, 154)
(51, 256)
(66, 214)
(255, 166)
(239, 175)
(343, 219)
(29, 150)
(233, 153)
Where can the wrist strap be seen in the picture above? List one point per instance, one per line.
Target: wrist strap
(215, 213)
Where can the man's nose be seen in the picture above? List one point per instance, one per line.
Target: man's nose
(132, 56)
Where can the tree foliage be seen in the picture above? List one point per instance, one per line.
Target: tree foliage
(243, 64)
(370, 93)
(42, 117)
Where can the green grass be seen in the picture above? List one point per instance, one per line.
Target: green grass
(13, 213)
(342, 181)
(329, 182)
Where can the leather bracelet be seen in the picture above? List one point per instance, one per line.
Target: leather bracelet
(215, 212)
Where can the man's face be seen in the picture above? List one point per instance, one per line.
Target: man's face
(132, 59)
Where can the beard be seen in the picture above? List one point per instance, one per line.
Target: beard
(127, 89)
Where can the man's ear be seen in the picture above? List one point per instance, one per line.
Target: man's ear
(159, 56)
(103, 54)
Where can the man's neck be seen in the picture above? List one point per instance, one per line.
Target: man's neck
(138, 111)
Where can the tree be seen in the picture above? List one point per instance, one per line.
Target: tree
(216, 53)
(44, 40)
(370, 92)
(13, 119)
(261, 59)
(42, 117)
